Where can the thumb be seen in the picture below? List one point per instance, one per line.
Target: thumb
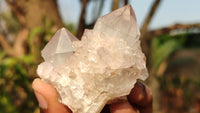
(47, 97)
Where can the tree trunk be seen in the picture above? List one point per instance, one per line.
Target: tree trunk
(125, 2)
(32, 13)
(82, 25)
(144, 28)
(115, 5)
(153, 83)
(149, 17)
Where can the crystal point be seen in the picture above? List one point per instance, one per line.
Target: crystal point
(120, 23)
(59, 47)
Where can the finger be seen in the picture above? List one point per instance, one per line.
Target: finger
(47, 97)
(122, 107)
(106, 109)
(141, 96)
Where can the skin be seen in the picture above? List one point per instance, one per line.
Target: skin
(139, 100)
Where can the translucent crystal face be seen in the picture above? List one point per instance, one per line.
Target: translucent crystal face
(59, 47)
(105, 65)
(120, 23)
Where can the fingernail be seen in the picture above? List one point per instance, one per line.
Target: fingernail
(43, 110)
(41, 100)
(143, 89)
(142, 85)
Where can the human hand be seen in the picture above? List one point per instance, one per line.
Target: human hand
(140, 99)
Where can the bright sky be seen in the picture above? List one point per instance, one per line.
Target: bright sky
(169, 12)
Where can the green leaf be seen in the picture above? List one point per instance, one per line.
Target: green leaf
(2, 55)
(163, 46)
(9, 62)
(35, 32)
(27, 59)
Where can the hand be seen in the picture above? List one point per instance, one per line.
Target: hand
(140, 99)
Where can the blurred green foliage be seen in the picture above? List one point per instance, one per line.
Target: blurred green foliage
(17, 74)
(164, 46)
(16, 95)
(11, 22)
(179, 93)
(179, 84)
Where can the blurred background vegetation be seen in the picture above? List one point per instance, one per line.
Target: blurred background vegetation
(173, 53)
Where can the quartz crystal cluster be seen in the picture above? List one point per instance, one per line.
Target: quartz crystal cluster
(100, 68)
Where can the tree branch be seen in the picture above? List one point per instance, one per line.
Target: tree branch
(100, 8)
(183, 53)
(144, 28)
(6, 46)
(149, 17)
(19, 42)
(168, 29)
(19, 13)
(115, 4)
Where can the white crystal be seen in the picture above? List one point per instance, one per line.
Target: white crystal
(59, 47)
(105, 65)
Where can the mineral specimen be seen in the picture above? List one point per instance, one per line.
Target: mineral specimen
(100, 68)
